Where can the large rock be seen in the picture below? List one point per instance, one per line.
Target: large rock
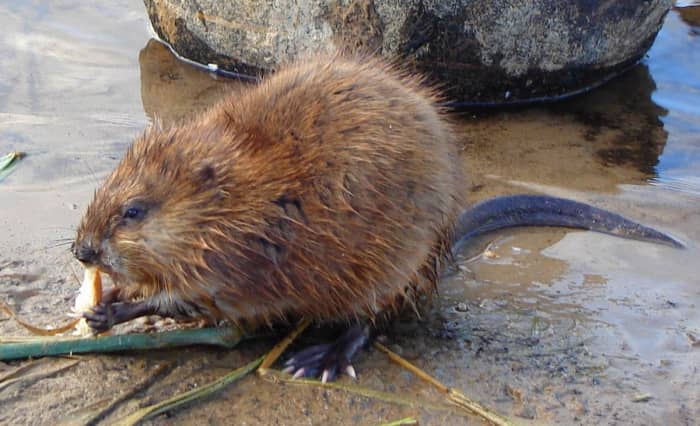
(480, 51)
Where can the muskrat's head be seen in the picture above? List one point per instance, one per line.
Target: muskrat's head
(147, 218)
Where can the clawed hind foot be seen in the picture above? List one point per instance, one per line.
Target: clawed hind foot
(329, 359)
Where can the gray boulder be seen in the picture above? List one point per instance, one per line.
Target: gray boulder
(479, 51)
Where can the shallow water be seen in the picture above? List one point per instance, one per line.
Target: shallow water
(549, 325)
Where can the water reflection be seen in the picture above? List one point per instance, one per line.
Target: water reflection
(673, 63)
(690, 13)
(595, 142)
(639, 128)
(172, 90)
(623, 112)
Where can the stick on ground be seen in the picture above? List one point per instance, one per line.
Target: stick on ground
(453, 395)
(280, 347)
(187, 397)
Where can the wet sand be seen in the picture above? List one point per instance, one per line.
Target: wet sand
(547, 325)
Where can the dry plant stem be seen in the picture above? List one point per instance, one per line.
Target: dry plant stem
(8, 163)
(453, 395)
(15, 372)
(37, 376)
(412, 368)
(186, 397)
(37, 330)
(363, 391)
(402, 422)
(280, 347)
(77, 417)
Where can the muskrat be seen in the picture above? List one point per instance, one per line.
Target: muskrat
(333, 190)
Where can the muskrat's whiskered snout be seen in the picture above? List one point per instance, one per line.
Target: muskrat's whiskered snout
(84, 252)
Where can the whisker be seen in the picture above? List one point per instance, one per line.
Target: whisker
(60, 244)
(52, 246)
(61, 240)
(76, 276)
(59, 252)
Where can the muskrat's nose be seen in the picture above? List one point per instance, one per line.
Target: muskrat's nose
(84, 252)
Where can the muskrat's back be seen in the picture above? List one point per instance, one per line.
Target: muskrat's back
(329, 191)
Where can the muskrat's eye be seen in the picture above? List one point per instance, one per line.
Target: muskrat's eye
(134, 211)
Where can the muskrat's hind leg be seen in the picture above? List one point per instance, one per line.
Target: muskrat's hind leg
(329, 359)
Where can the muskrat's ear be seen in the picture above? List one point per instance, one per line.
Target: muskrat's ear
(207, 175)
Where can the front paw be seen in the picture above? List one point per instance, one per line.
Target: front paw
(101, 317)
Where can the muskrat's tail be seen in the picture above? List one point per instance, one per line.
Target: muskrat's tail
(541, 210)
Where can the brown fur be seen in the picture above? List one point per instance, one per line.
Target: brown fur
(328, 191)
